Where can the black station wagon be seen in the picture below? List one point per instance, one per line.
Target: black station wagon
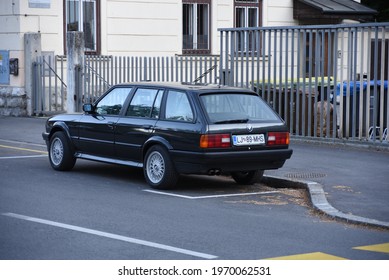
(171, 129)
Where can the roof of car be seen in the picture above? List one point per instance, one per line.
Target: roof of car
(197, 87)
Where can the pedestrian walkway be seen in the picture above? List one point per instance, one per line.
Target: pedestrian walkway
(354, 181)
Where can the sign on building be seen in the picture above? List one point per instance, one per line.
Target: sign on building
(4, 67)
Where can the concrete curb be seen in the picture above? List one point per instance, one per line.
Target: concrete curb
(319, 201)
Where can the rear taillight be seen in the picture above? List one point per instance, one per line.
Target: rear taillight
(277, 138)
(215, 141)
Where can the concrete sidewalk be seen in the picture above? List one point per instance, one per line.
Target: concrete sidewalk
(350, 183)
(354, 180)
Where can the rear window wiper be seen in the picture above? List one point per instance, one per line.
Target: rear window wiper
(232, 121)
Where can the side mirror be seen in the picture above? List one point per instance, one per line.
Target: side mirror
(88, 108)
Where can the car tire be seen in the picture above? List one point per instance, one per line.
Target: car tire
(60, 153)
(159, 169)
(247, 177)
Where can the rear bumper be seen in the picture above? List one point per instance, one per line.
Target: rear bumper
(202, 163)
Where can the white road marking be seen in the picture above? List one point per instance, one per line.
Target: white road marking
(111, 236)
(18, 157)
(42, 153)
(22, 149)
(209, 196)
(21, 142)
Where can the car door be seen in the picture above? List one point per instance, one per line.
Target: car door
(137, 123)
(97, 130)
(179, 124)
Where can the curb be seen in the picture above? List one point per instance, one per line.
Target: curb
(319, 201)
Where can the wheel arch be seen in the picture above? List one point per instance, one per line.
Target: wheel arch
(155, 140)
(60, 126)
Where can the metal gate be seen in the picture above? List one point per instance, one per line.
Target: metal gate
(49, 87)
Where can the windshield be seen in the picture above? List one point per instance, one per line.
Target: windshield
(237, 108)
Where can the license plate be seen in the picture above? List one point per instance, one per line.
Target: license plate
(249, 139)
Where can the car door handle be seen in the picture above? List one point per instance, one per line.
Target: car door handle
(111, 125)
(147, 126)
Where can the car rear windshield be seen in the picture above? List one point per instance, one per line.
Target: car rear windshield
(237, 108)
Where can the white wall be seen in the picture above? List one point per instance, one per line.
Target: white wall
(17, 18)
(128, 27)
(222, 17)
(48, 22)
(131, 27)
(278, 13)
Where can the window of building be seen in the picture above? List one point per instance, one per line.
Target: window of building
(247, 14)
(196, 26)
(83, 15)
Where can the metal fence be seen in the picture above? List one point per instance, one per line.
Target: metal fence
(325, 81)
(100, 72)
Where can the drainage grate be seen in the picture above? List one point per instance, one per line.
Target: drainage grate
(305, 175)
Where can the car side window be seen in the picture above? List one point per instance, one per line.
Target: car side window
(112, 103)
(145, 103)
(178, 107)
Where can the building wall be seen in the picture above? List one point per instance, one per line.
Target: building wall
(140, 28)
(47, 21)
(17, 18)
(153, 28)
(278, 13)
(10, 37)
(131, 27)
(128, 27)
(12, 95)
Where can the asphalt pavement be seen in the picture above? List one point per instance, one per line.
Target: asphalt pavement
(350, 183)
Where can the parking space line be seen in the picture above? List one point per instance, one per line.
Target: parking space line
(22, 143)
(18, 157)
(23, 149)
(208, 196)
(382, 248)
(111, 236)
(309, 256)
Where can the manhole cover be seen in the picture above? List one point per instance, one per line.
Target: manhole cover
(305, 175)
